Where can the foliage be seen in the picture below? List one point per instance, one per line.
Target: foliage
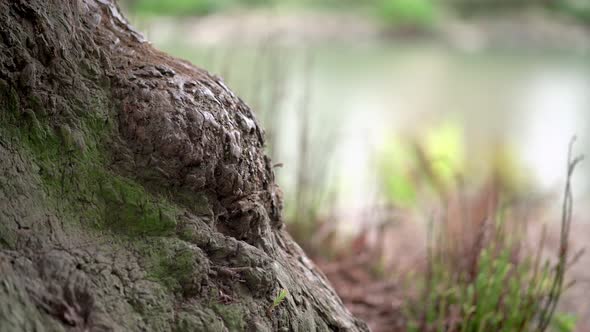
(409, 165)
(578, 9)
(174, 8)
(396, 167)
(446, 146)
(495, 298)
(408, 13)
(486, 282)
(415, 14)
(564, 322)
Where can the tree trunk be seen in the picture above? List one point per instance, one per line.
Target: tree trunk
(134, 191)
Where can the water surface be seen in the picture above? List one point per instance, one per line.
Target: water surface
(360, 97)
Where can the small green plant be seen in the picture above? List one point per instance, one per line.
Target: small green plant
(485, 282)
(278, 299)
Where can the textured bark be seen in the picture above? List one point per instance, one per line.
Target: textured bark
(134, 190)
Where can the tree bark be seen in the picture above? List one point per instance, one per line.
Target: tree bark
(134, 191)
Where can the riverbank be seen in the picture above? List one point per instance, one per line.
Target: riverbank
(529, 30)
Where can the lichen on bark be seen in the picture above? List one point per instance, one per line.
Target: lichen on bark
(134, 191)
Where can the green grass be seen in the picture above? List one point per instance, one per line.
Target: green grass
(504, 294)
(488, 283)
(501, 296)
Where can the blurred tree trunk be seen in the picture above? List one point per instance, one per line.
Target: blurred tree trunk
(134, 191)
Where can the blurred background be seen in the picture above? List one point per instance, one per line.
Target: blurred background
(406, 130)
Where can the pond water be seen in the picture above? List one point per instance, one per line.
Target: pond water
(358, 97)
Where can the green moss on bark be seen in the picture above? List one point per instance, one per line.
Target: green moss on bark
(179, 266)
(9, 101)
(128, 208)
(73, 168)
(7, 237)
(233, 316)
